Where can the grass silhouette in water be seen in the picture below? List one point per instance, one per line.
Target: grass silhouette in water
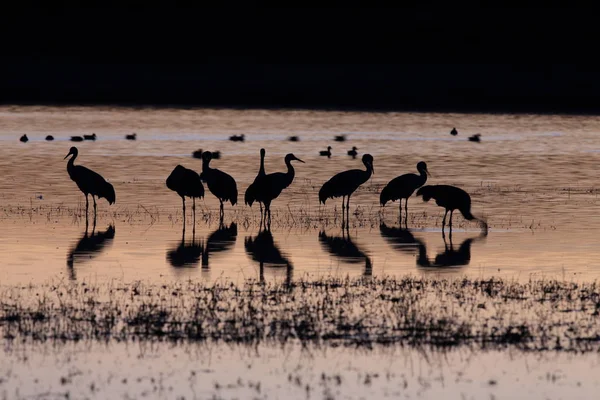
(410, 311)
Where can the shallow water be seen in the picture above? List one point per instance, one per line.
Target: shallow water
(166, 371)
(532, 177)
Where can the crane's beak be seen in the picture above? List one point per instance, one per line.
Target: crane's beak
(67, 156)
(297, 159)
(427, 172)
(372, 167)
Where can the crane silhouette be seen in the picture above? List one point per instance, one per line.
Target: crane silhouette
(262, 249)
(220, 184)
(88, 246)
(89, 182)
(220, 240)
(90, 137)
(345, 183)
(186, 182)
(400, 239)
(186, 254)
(271, 185)
(451, 198)
(346, 250)
(132, 136)
(326, 152)
(402, 187)
(23, 139)
(49, 138)
(449, 257)
(251, 191)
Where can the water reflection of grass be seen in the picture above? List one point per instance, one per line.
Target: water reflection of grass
(540, 315)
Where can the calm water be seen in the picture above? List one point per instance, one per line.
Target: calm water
(533, 177)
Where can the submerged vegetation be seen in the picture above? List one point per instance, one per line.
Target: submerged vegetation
(537, 315)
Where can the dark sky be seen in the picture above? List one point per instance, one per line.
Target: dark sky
(457, 60)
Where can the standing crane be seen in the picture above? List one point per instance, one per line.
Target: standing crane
(271, 185)
(251, 191)
(186, 182)
(403, 186)
(345, 183)
(220, 184)
(89, 182)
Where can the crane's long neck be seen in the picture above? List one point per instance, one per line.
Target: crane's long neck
(368, 172)
(205, 165)
(70, 163)
(261, 171)
(422, 176)
(290, 172)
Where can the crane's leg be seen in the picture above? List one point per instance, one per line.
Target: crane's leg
(400, 212)
(221, 211)
(406, 211)
(183, 201)
(93, 198)
(444, 221)
(450, 223)
(194, 211)
(87, 204)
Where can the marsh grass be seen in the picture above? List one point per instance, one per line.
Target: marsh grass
(537, 315)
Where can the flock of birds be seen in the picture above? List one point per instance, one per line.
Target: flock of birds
(91, 137)
(268, 187)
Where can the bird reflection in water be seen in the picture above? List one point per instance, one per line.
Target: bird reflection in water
(401, 239)
(187, 253)
(262, 249)
(88, 246)
(450, 257)
(222, 239)
(345, 249)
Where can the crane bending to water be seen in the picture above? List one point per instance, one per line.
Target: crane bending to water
(89, 182)
(345, 183)
(451, 198)
(403, 186)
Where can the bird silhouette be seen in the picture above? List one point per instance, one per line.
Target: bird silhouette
(271, 185)
(76, 139)
(340, 138)
(345, 249)
(237, 138)
(402, 187)
(90, 137)
(262, 249)
(89, 182)
(294, 139)
(133, 136)
(49, 137)
(88, 247)
(326, 152)
(187, 253)
(475, 138)
(353, 152)
(24, 139)
(186, 182)
(400, 239)
(221, 240)
(454, 132)
(345, 183)
(220, 184)
(451, 198)
(449, 257)
(215, 154)
(255, 186)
